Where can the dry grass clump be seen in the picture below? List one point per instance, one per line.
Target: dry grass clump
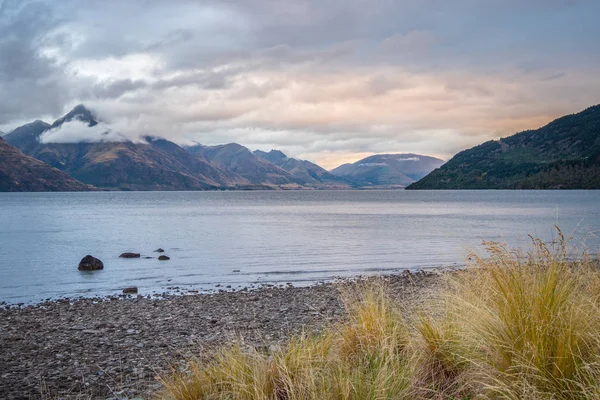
(512, 325)
(361, 359)
(530, 322)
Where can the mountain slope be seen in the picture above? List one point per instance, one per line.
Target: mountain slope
(563, 154)
(20, 173)
(241, 161)
(305, 170)
(152, 164)
(388, 169)
(26, 137)
(79, 113)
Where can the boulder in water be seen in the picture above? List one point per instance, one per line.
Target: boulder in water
(90, 263)
(159, 250)
(164, 258)
(130, 255)
(130, 290)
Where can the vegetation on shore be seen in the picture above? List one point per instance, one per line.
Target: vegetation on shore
(513, 325)
(565, 154)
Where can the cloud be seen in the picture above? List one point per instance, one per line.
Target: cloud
(329, 81)
(76, 131)
(408, 159)
(553, 77)
(116, 89)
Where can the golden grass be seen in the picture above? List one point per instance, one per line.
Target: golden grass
(511, 326)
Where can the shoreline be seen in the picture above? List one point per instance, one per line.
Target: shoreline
(183, 289)
(116, 347)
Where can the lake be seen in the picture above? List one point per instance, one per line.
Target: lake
(300, 237)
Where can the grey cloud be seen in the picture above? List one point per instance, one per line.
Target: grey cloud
(29, 82)
(306, 75)
(172, 38)
(116, 89)
(554, 77)
(204, 79)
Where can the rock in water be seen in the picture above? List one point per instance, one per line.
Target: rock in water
(90, 263)
(159, 250)
(130, 255)
(164, 258)
(130, 290)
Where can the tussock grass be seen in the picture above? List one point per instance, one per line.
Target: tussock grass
(513, 325)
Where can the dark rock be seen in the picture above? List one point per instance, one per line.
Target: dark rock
(130, 255)
(236, 270)
(164, 258)
(90, 263)
(159, 250)
(130, 290)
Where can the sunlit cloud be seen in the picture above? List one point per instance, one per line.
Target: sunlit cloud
(331, 82)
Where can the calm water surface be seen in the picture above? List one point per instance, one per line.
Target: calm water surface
(299, 237)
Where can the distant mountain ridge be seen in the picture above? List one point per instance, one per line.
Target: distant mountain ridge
(388, 170)
(109, 161)
(20, 173)
(304, 170)
(565, 154)
(152, 164)
(240, 160)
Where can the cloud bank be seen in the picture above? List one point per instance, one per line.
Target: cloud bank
(79, 132)
(328, 81)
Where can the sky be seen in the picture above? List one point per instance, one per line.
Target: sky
(331, 81)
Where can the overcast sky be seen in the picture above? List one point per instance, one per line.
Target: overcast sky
(327, 80)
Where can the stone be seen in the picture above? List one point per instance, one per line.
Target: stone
(164, 258)
(130, 290)
(159, 250)
(130, 255)
(236, 270)
(90, 263)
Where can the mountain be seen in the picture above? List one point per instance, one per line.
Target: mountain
(388, 170)
(154, 163)
(26, 137)
(151, 164)
(243, 162)
(565, 154)
(79, 113)
(306, 171)
(20, 173)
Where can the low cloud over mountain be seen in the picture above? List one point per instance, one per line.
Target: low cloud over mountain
(79, 132)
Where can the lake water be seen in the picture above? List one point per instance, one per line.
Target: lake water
(276, 237)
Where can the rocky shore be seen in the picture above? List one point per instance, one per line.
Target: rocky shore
(114, 348)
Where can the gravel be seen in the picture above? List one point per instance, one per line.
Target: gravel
(114, 348)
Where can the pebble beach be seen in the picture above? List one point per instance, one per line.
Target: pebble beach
(117, 347)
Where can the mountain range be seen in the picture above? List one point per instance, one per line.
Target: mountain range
(565, 154)
(154, 163)
(306, 171)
